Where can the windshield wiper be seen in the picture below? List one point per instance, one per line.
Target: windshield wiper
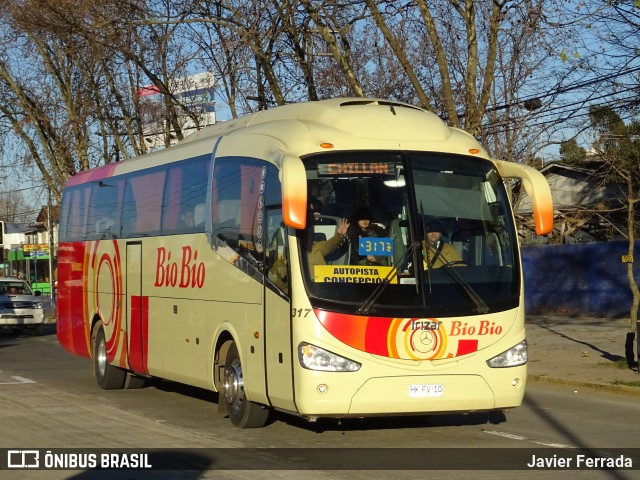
(464, 286)
(365, 306)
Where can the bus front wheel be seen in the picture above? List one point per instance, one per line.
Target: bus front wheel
(108, 376)
(242, 412)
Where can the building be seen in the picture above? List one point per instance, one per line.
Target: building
(587, 208)
(26, 250)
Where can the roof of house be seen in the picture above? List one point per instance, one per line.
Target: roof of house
(25, 228)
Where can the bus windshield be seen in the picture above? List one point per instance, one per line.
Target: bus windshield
(429, 234)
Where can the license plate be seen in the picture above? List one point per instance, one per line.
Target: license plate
(426, 390)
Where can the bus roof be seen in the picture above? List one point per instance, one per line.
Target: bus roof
(300, 129)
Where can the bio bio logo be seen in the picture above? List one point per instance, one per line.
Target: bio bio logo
(460, 329)
(186, 272)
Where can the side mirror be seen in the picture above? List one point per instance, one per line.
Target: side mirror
(538, 190)
(294, 192)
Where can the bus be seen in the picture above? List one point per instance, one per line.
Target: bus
(226, 262)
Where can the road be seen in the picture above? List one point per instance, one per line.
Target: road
(50, 400)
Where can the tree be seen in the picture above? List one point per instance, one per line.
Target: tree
(618, 145)
(571, 152)
(69, 76)
(71, 71)
(13, 207)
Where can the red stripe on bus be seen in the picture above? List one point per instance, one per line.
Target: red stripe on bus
(72, 327)
(377, 336)
(92, 175)
(466, 346)
(139, 334)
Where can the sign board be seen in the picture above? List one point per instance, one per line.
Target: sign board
(351, 274)
(35, 250)
(36, 247)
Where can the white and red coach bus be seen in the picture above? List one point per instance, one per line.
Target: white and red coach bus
(204, 264)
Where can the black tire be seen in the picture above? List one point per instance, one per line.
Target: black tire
(242, 412)
(37, 331)
(108, 376)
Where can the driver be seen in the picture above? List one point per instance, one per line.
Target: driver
(435, 252)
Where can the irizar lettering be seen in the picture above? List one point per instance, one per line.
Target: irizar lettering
(185, 273)
(424, 325)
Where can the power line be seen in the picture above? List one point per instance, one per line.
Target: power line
(569, 88)
(8, 192)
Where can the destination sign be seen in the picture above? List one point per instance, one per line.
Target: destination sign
(356, 168)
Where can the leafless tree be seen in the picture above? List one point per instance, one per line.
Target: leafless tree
(14, 208)
(618, 146)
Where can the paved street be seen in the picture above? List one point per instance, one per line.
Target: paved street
(56, 403)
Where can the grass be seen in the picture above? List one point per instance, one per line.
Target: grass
(623, 365)
(628, 384)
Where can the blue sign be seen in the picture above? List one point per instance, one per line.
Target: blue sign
(376, 246)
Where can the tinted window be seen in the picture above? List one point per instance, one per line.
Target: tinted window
(185, 196)
(103, 219)
(73, 215)
(238, 196)
(142, 206)
(167, 199)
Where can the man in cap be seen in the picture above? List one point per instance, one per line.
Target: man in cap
(435, 252)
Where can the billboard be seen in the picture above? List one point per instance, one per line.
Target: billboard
(195, 92)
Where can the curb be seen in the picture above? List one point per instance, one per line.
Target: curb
(592, 387)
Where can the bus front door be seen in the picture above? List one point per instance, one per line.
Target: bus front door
(137, 310)
(277, 320)
(278, 351)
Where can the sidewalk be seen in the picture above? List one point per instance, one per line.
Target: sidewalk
(585, 353)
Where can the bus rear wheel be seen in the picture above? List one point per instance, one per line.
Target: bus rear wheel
(242, 412)
(108, 376)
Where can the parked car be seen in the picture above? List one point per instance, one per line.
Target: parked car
(20, 307)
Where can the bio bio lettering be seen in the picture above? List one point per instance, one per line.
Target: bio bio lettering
(485, 327)
(191, 272)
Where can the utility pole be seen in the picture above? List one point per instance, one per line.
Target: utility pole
(50, 230)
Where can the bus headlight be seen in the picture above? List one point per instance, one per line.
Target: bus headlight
(516, 355)
(316, 358)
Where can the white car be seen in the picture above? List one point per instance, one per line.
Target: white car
(20, 307)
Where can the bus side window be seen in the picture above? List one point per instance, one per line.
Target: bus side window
(183, 209)
(277, 261)
(77, 218)
(104, 208)
(237, 198)
(198, 214)
(142, 204)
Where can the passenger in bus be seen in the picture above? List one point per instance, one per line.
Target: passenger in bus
(104, 225)
(278, 274)
(317, 250)
(187, 219)
(362, 227)
(435, 252)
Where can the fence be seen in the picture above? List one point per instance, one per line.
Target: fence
(587, 279)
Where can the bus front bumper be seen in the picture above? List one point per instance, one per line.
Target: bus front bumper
(421, 394)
